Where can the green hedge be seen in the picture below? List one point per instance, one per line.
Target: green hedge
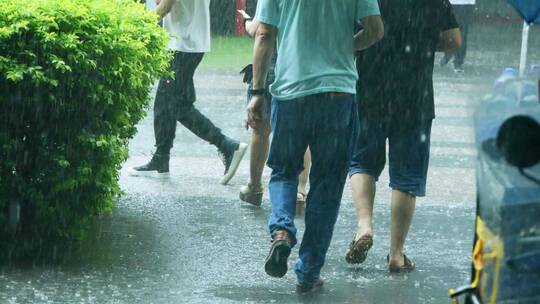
(74, 82)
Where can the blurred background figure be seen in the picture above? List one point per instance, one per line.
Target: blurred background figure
(188, 24)
(150, 4)
(464, 12)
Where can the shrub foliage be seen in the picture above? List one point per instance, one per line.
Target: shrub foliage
(74, 80)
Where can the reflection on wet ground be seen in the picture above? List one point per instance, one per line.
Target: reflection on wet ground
(172, 249)
(183, 239)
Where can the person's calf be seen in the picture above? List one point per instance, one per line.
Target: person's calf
(264, 130)
(403, 205)
(363, 188)
(258, 154)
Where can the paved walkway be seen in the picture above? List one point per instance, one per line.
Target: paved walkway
(188, 239)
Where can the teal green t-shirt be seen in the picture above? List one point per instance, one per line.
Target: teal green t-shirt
(315, 44)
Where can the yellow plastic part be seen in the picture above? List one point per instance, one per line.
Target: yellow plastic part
(487, 240)
(478, 261)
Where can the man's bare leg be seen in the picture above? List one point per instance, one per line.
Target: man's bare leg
(302, 184)
(403, 205)
(363, 190)
(303, 178)
(260, 141)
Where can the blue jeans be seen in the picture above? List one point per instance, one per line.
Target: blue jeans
(327, 123)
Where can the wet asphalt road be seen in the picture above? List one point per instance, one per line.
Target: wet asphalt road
(187, 239)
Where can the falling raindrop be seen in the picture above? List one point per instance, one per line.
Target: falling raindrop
(407, 49)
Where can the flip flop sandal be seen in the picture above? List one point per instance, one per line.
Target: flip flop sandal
(408, 265)
(358, 250)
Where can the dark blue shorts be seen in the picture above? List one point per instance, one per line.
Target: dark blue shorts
(408, 155)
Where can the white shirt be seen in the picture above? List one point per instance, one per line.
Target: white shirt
(151, 4)
(463, 2)
(188, 25)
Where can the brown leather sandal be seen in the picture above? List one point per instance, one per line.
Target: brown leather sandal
(358, 250)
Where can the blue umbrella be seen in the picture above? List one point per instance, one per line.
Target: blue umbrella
(530, 12)
(528, 9)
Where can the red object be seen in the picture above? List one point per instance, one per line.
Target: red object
(240, 5)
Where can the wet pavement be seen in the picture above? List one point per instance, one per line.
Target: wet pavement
(170, 248)
(187, 239)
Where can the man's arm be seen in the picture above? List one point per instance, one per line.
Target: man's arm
(164, 7)
(373, 31)
(263, 50)
(449, 40)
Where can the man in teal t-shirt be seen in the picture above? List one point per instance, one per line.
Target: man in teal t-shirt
(314, 105)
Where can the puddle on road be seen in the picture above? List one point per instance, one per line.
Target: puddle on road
(169, 249)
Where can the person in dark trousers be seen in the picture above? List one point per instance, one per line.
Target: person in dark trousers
(313, 105)
(188, 25)
(464, 12)
(395, 102)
